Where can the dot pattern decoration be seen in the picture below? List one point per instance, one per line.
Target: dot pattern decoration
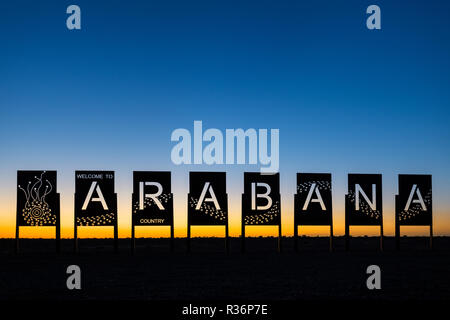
(36, 211)
(149, 202)
(415, 208)
(38, 214)
(100, 220)
(264, 218)
(364, 208)
(207, 209)
(306, 186)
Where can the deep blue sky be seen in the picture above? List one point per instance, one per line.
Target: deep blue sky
(346, 99)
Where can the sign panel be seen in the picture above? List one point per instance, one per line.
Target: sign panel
(414, 201)
(207, 199)
(261, 199)
(313, 199)
(37, 199)
(364, 200)
(95, 200)
(152, 198)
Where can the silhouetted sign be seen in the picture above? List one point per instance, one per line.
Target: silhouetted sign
(207, 199)
(95, 199)
(261, 199)
(152, 198)
(313, 199)
(37, 199)
(364, 200)
(414, 201)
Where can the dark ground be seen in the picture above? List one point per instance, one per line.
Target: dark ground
(207, 273)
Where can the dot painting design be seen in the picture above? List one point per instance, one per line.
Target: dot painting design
(207, 209)
(264, 218)
(36, 211)
(364, 208)
(104, 219)
(148, 202)
(306, 186)
(415, 208)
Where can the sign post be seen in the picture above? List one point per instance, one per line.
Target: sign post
(207, 202)
(312, 203)
(152, 202)
(95, 202)
(414, 203)
(363, 204)
(38, 203)
(261, 202)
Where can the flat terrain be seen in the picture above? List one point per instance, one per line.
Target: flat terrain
(207, 273)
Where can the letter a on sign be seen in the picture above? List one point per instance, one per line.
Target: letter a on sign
(207, 198)
(95, 199)
(312, 203)
(101, 199)
(414, 200)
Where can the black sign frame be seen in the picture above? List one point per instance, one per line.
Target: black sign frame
(113, 203)
(321, 184)
(165, 179)
(33, 191)
(255, 177)
(217, 181)
(351, 217)
(413, 185)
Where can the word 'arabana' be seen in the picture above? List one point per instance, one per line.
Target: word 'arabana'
(235, 147)
(38, 202)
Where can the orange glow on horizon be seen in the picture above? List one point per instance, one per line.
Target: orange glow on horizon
(8, 231)
(441, 220)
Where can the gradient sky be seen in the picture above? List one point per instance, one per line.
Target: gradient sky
(346, 99)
